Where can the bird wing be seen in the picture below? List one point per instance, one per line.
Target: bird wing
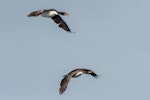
(57, 19)
(35, 13)
(64, 83)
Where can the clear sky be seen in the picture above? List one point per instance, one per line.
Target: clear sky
(112, 38)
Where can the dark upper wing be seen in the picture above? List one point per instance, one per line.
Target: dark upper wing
(57, 19)
(64, 83)
(35, 13)
(64, 26)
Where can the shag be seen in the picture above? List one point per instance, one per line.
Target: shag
(74, 73)
(54, 14)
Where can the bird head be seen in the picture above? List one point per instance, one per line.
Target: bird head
(66, 14)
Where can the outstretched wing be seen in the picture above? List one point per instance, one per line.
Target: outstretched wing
(57, 19)
(35, 13)
(64, 26)
(64, 83)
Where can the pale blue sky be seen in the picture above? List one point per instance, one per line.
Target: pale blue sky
(112, 38)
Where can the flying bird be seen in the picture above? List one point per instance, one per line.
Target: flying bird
(74, 73)
(55, 15)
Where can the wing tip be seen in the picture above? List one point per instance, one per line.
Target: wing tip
(61, 90)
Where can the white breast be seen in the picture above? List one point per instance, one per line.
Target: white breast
(53, 13)
(77, 74)
(49, 14)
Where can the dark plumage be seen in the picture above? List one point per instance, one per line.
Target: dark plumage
(75, 73)
(55, 15)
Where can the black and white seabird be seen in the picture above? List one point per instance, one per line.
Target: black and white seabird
(75, 73)
(54, 14)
